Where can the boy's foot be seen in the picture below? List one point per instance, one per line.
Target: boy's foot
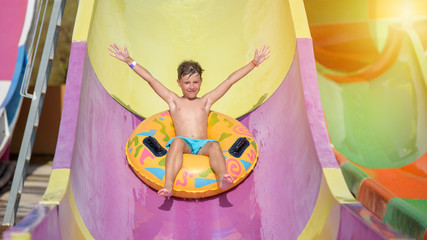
(226, 181)
(164, 192)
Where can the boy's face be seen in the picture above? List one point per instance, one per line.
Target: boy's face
(190, 85)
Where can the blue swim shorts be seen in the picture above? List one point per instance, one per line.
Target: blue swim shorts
(195, 144)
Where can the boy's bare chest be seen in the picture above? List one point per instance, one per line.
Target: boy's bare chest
(191, 109)
(195, 109)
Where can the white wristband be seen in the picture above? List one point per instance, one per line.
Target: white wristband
(133, 64)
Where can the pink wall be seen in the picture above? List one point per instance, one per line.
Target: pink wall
(12, 16)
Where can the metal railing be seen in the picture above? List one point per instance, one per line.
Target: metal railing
(32, 53)
(36, 106)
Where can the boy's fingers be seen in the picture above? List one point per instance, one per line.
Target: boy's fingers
(266, 48)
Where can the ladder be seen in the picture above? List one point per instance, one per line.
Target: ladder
(37, 99)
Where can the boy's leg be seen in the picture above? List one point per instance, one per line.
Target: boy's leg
(173, 164)
(218, 164)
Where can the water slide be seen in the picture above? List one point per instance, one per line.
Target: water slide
(296, 190)
(372, 73)
(13, 59)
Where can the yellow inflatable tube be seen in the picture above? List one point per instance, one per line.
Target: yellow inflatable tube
(146, 153)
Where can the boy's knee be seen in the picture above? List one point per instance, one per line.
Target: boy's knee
(214, 147)
(178, 143)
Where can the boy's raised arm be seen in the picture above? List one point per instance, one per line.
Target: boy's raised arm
(219, 91)
(123, 55)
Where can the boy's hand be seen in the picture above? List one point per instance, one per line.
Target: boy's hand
(118, 53)
(261, 55)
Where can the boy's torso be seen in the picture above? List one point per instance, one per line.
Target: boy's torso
(190, 117)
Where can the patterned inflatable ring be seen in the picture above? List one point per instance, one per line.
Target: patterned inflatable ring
(146, 153)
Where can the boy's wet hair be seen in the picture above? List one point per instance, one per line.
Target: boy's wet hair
(189, 68)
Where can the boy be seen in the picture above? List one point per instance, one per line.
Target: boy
(190, 114)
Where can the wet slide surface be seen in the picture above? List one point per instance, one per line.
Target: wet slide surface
(372, 80)
(251, 210)
(296, 190)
